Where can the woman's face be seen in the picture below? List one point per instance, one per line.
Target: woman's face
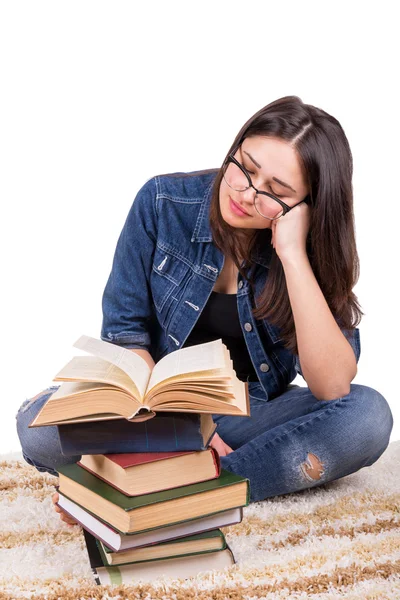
(266, 160)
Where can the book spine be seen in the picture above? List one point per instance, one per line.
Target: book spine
(217, 461)
(248, 492)
(224, 542)
(96, 577)
(231, 553)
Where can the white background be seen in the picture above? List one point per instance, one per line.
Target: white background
(97, 97)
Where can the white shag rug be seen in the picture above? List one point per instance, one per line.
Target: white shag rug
(339, 540)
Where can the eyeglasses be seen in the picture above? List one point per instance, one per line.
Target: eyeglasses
(266, 204)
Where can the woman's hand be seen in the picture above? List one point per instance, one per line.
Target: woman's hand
(220, 446)
(289, 233)
(63, 516)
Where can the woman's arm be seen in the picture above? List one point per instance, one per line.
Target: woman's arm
(327, 359)
(126, 301)
(144, 354)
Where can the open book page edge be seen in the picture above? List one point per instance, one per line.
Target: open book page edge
(201, 403)
(93, 369)
(70, 392)
(189, 360)
(237, 398)
(222, 391)
(240, 388)
(135, 367)
(187, 379)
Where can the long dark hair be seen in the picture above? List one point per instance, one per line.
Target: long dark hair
(325, 158)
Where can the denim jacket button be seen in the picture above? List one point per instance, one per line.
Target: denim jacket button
(248, 326)
(264, 367)
(240, 285)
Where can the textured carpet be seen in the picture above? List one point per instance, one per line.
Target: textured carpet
(339, 540)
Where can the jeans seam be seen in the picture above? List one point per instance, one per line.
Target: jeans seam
(40, 468)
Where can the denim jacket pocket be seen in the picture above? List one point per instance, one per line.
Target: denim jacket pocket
(168, 272)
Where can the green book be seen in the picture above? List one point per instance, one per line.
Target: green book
(150, 511)
(206, 541)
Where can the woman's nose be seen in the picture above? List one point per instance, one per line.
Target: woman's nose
(247, 197)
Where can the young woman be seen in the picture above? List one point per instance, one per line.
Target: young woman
(261, 253)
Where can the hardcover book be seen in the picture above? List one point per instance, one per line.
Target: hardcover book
(206, 541)
(183, 567)
(149, 511)
(166, 432)
(144, 473)
(117, 541)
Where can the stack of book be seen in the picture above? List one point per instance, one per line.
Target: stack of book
(148, 490)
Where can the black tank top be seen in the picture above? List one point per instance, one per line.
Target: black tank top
(220, 319)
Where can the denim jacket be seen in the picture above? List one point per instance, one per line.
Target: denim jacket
(164, 270)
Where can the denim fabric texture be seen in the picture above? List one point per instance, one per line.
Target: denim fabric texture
(163, 272)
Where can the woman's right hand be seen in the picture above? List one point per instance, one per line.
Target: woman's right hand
(63, 516)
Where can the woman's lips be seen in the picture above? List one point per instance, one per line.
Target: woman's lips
(237, 209)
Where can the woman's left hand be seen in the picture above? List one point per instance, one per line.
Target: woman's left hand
(289, 233)
(219, 445)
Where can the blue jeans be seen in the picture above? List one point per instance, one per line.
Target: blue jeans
(289, 443)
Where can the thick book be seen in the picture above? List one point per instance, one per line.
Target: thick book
(116, 382)
(167, 432)
(118, 541)
(182, 568)
(149, 511)
(139, 473)
(206, 541)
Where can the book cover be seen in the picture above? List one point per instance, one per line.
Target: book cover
(133, 459)
(166, 432)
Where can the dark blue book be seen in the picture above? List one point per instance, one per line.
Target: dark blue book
(166, 432)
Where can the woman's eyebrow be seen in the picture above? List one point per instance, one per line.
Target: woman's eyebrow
(274, 178)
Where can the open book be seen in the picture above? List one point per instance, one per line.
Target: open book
(117, 383)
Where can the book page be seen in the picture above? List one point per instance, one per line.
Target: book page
(132, 364)
(92, 368)
(201, 357)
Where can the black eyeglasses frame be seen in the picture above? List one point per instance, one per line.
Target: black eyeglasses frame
(286, 208)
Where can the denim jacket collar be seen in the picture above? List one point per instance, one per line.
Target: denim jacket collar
(202, 230)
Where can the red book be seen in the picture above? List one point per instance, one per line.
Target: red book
(138, 473)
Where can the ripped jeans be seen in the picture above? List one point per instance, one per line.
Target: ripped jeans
(288, 444)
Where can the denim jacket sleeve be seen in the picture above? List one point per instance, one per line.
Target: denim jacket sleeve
(127, 300)
(352, 336)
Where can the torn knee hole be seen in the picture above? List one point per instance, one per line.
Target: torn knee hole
(312, 468)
